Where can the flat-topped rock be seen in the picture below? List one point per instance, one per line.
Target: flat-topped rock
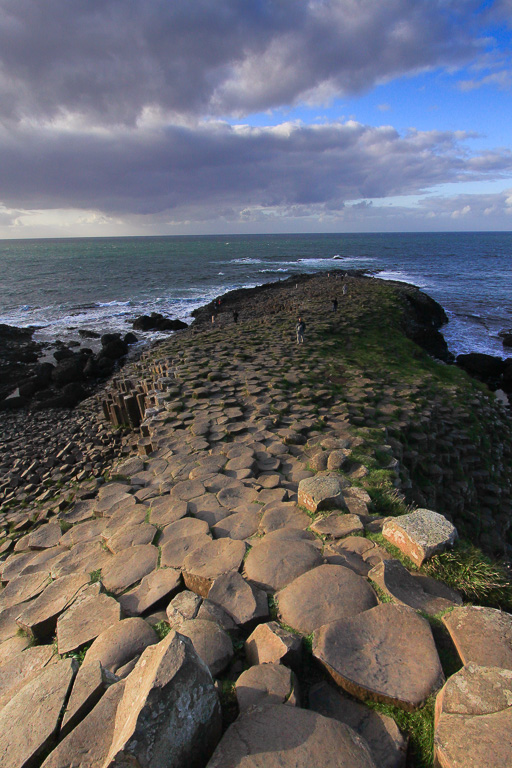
(88, 556)
(273, 564)
(267, 684)
(159, 584)
(131, 536)
(355, 552)
(283, 515)
(88, 688)
(23, 588)
(90, 740)
(270, 643)
(212, 644)
(210, 561)
(21, 669)
(183, 528)
(12, 647)
(14, 564)
(46, 536)
(121, 643)
(169, 714)
(380, 732)
(420, 534)
(233, 496)
(128, 567)
(90, 530)
(187, 489)
(176, 550)
(421, 593)
(474, 719)
(482, 636)
(40, 617)
(319, 492)
(111, 495)
(322, 595)
(164, 510)
(91, 614)
(386, 654)
(29, 722)
(279, 736)
(239, 526)
(337, 526)
(8, 626)
(242, 601)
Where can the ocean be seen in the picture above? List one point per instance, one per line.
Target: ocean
(101, 284)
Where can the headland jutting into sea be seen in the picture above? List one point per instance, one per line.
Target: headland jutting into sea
(251, 549)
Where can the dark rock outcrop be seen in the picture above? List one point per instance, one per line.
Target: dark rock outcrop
(157, 322)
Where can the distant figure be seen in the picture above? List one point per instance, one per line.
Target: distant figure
(335, 304)
(301, 328)
(344, 289)
(213, 317)
(235, 316)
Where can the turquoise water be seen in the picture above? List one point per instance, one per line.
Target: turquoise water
(102, 283)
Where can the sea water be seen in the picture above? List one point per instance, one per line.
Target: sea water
(102, 284)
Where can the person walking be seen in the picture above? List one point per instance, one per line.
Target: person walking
(301, 329)
(335, 304)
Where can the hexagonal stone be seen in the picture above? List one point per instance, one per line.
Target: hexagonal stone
(210, 611)
(474, 719)
(420, 534)
(187, 489)
(182, 608)
(215, 558)
(14, 565)
(267, 684)
(175, 551)
(235, 495)
(91, 614)
(88, 557)
(239, 526)
(357, 553)
(270, 643)
(380, 732)
(90, 530)
(39, 618)
(23, 588)
(164, 510)
(131, 536)
(29, 722)
(158, 585)
(8, 626)
(283, 515)
(318, 493)
(243, 602)
(337, 526)
(419, 592)
(279, 736)
(135, 515)
(111, 495)
(211, 643)
(386, 654)
(481, 635)
(121, 643)
(12, 647)
(46, 536)
(273, 564)
(207, 508)
(184, 528)
(322, 595)
(21, 669)
(128, 567)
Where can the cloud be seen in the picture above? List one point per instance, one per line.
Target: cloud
(110, 61)
(501, 80)
(216, 169)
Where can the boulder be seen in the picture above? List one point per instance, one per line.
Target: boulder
(323, 595)
(273, 564)
(169, 714)
(120, 643)
(212, 644)
(337, 526)
(474, 719)
(482, 636)
(279, 736)
(380, 732)
(321, 492)
(482, 366)
(271, 643)
(182, 608)
(267, 684)
(386, 654)
(210, 561)
(157, 322)
(420, 534)
(243, 602)
(128, 567)
(39, 618)
(29, 722)
(158, 585)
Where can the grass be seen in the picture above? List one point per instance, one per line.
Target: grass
(418, 726)
(95, 576)
(162, 629)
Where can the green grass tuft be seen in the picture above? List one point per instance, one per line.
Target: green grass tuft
(418, 726)
(162, 629)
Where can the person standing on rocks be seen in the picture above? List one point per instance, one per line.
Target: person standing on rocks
(335, 304)
(301, 329)
(235, 316)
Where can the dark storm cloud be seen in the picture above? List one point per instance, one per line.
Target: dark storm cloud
(216, 169)
(109, 59)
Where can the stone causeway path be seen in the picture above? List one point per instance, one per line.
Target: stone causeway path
(221, 602)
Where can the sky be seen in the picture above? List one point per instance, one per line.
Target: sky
(148, 117)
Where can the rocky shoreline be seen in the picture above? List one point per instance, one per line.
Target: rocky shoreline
(266, 567)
